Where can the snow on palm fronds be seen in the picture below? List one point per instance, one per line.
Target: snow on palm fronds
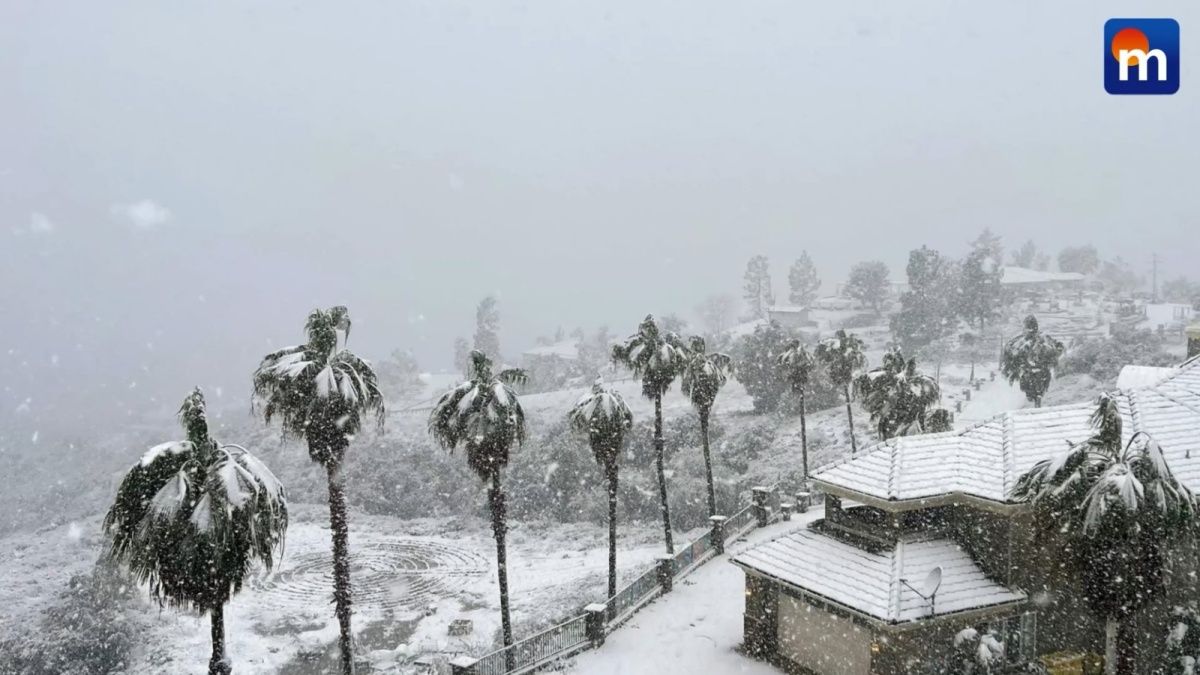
(1030, 360)
(798, 365)
(703, 374)
(978, 653)
(604, 417)
(482, 414)
(192, 517)
(655, 356)
(896, 395)
(1104, 477)
(1115, 509)
(319, 384)
(1183, 641)
(842, 355)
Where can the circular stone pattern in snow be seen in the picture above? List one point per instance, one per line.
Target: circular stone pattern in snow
(396, 574)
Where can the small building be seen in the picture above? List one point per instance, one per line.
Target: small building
(854, 593)
(1170, 317)
(1024, 281)
(790, 317)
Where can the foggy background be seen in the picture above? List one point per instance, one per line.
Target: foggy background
(181, 183)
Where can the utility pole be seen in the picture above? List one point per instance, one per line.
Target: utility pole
(1154, 278)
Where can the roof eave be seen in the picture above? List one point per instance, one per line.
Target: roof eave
(896, 505)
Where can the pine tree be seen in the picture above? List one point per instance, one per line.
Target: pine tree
(979, 296)
(868, 283)
(1026, 256)
(192, 517)
(1081, 259)
(484, 415)
(1030, 360)
(462, 354)
(927, 308)
(321, 391)
(757, 287)
(758, 368)
(803, 281)
(487, 327)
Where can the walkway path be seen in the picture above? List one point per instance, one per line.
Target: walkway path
(693, 629)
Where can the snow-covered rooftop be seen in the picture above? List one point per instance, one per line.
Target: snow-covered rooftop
(1133, 377)
(870, 583)
(565, 349)
(985, 461)
(1024, 275)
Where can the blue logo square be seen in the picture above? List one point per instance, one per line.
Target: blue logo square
(1141, 56)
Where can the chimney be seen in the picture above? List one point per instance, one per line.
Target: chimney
(1193, 340)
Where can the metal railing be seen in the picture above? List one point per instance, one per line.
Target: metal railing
(631, 598)
(741, 522)
(571, 637)
(695, 553)
(536, 651)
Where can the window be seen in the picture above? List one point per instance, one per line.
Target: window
(1019, 634)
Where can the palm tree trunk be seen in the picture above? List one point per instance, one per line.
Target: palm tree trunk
(1111, 628)
(712, 497)
(612, 531)
(803, 440)
(218, 665)
(662, 476)
(339, 527)
(850, 416)
(499, 530)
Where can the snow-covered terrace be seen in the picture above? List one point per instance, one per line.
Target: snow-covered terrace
(983, 462)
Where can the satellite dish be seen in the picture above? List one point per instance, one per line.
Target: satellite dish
(929, 587)
(933, 581)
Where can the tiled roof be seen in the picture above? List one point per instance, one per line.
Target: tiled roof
(870, 582)
(986, 460)
(1132, 377)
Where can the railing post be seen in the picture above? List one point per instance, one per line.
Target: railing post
(761, 495)
(464, 665)
(785, 510)
(803, 501)
(666, 571)
(718, 532)
(596, 614)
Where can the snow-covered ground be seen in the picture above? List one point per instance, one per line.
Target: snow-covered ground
(696, 628)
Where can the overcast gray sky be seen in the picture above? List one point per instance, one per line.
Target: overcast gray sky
(181, 182)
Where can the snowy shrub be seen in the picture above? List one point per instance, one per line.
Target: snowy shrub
(85, 632)
(1103, 358)
(977, 652)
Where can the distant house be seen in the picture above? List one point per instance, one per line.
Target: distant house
(1024, 281)
(794, 318)
(1166, 316)
(856, 593)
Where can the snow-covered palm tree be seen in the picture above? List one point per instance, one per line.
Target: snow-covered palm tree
(1030, 359)
(842, 355)
(977, 653)
(321, 392)
(484, 416)
(656, 357)
(798, 366)
(604, 417)
(1116, 507)
(191, 519)
(1183, 641)
(704, 373)
(896, 395)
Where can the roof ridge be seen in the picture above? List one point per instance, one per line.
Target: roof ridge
(893, 469)
(1006, 452)
(894, 582)
(1135, 414)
